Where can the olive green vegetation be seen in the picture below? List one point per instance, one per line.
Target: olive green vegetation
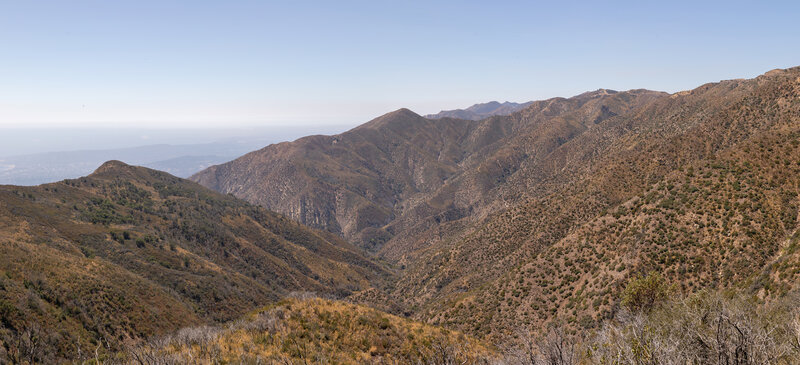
(701, 186)
(645, 293)
(612, 227)
(312, 331)
(541, 216)
(660, 326)
(129, 253)
(657, 326)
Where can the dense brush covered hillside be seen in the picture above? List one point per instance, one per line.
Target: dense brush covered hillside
(400, 180)
(128, 253)
(315, 331)
(631, 227)
(541, 216)
(701, 186)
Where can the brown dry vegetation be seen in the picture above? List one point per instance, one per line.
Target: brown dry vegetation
(708, 327)
(312, 331)
(129, 252)
(393, 182)
(541, 216)
(520, 230)
(656, 326)
(716, 222)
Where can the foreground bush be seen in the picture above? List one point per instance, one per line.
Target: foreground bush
(313, 331)
(705, 328)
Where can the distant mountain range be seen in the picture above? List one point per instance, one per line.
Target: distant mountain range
(635, 220)
(402, 167)
(543, 214)
(481, 111)
(182, 160)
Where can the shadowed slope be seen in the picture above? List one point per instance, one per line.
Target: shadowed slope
(493, 245)
(401, 175)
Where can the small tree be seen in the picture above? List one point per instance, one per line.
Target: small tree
(642, 294)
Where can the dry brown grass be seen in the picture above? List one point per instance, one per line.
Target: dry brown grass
(313, 330)
(129, 252)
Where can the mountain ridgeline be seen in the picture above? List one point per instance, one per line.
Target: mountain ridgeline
(128, 253)
(401, 173)
(481, 111)
(541, 216)
(644, 225)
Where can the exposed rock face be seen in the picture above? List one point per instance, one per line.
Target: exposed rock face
(518, 217)
(401, 173)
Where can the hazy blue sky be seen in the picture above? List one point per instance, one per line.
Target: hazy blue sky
(221, 63)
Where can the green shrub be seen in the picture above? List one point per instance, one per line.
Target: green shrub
(642, 294)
